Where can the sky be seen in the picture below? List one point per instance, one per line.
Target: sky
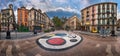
(59, 8)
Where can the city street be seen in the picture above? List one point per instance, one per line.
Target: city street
(19, 35)
(59, 28)
(91, 45)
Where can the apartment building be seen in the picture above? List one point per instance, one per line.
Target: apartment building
(73, 23)
(8, 19)
(99, 15)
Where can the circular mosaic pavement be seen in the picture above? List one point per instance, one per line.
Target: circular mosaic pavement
(56, 41)
(59, 41)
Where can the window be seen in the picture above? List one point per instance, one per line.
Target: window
(106, 22)
(103, 16)
(103, 22)
(108, 6)
(112, 8)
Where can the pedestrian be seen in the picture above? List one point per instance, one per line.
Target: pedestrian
(107, 32)
(102, 32)
(35, 32)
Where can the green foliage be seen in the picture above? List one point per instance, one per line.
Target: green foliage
(59, 22)
(22, 28)
(47, 30)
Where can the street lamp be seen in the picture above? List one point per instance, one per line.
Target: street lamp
(0, 25)
(8, 35)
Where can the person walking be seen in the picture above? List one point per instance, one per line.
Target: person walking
(102, 32)
(107, 32)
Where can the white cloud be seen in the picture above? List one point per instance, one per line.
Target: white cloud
(61, 1)
(84, 3)
(118, 14)
(15, 13)
(69, 9)
(46, 5)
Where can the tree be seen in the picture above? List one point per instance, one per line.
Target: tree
(57, 22)
(23, 28)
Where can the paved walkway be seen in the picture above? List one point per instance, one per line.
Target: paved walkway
(89, 33)
(88, 47)
(19, 35)
(96, 34)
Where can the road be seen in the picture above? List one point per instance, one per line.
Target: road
(90, 46)
(19, 35)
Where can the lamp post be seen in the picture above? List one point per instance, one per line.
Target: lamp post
(0, 25)
(8, 35)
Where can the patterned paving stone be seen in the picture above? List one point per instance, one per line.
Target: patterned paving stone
(3, 51)
(15, 51)
(37, 55)
(9, 51)
(21, 54)
(108, 50)
(117, 48)
(97, 45)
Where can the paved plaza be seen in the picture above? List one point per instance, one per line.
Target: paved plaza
(91, 45)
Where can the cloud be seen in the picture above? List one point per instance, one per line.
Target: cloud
(61, 1)
(69, 9)
(118, 15)
(15, 12)
(84, 3)
(61, 13)
(73, 6)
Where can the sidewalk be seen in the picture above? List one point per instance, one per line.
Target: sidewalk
(19, 35)
(88, 33)
(95, 34)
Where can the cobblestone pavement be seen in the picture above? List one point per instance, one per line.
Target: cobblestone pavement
(90, 46)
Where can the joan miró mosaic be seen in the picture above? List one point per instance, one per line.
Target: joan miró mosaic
(59, 41)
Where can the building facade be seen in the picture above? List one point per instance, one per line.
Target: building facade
(73, 23)
(0, 20)
(8, 19)
(48, 22)
(118, 24)
(99, 15)
(36, 19)
(22, 16)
